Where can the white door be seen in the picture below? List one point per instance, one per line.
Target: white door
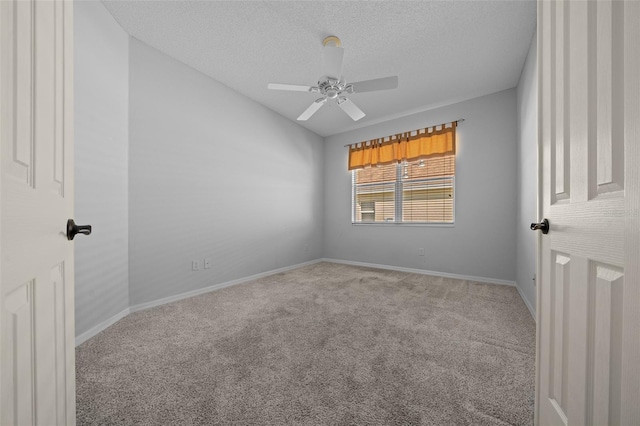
(37, 371)
(588, 364)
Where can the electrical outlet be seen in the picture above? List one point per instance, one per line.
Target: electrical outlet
(195, 265)
(420, 252)
(207, 263)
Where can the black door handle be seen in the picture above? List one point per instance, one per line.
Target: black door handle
(543, 226)
(73, 229)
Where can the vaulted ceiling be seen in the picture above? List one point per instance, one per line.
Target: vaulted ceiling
(441, 51)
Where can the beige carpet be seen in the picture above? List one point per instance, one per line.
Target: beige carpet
(326, 344)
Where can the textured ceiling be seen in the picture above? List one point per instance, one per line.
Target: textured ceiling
(441, 51)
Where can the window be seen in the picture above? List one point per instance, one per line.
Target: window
(405, 178)
(420, 191)
(375, 194)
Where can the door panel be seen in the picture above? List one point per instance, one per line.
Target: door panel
(18, 354)
(605, 297)
(560, 155)
(22, 50)
(558, 351)
(588, 302)
(606, 112)
(36, 291)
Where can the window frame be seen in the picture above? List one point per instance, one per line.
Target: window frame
(398, 187)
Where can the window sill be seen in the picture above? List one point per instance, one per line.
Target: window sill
(415, 224)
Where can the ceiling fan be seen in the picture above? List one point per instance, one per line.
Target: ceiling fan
(332, 86)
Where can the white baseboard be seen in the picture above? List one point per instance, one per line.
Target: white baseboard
(135, 308)
(526, 302)
(424, 272)
(100, 327)
(103, 325)
(214, 287)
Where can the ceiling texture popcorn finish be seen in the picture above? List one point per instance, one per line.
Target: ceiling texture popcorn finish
(441, 51)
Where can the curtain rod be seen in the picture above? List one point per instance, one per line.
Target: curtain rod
(460, 120)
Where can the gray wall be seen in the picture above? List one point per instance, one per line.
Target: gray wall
(213, 174)
(527, 175)
(172, 166)
(101, 152)
(482, 242)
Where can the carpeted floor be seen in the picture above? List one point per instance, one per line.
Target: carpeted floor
(326, 344)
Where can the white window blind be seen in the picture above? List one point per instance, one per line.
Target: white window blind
(420, 191)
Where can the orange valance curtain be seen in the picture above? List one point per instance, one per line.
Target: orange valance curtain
(428, 142)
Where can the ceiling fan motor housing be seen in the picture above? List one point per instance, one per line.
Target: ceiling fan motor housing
(331, 88)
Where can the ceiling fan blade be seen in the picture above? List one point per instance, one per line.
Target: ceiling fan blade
(333, 61)
(291, 87)
(385, 83)
(351, 109)
(312, 109)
